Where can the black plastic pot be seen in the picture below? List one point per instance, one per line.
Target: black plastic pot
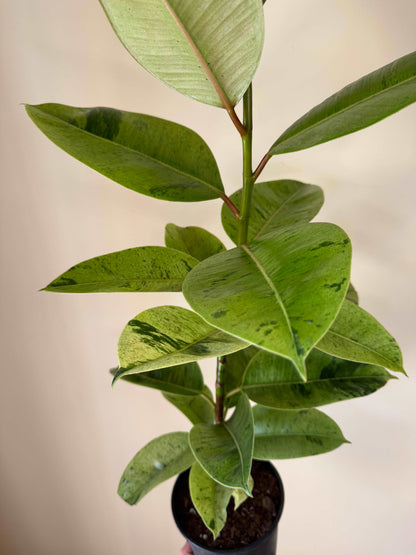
(266, 545)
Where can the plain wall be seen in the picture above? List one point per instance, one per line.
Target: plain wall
(66, 436)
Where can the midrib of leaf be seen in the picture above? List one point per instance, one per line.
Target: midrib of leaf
(222, 96)
(343, 110)
(273, 215)
(115, 281)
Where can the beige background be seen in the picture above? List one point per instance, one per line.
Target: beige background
(65, 435)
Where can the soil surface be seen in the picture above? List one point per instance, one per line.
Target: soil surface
(248, 523)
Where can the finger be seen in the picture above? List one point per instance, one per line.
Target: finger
(186, 550)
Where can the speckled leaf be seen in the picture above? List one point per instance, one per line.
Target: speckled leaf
(198, 408)
(235, 365)
(194, 241)
(209, 498)
(272, 381)
(149, 155)
(167, 336)
(206, 49)
(136, 270)
(158, 461)
(289, 434)
(280, 293)
(360, 104)
(275, 204)
(225, 450)
(358, 336)
(240, 495)
(352, 294)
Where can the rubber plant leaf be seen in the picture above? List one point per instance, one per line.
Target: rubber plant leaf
(213, 46)
(156, 462)
(133, 270)
(167, 336)
(195, 241)
(197, 408)
(235, 365)
(360, 104)
(274, 205)
(149, 155)
(280, 293)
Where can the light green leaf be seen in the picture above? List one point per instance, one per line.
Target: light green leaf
(272, 381)
(240, 495)
(158, 461)
(290, 434)
(235, 365)
(274, 205)
(149, 155)
(198, 408)
(167, 336)
(358, 336)
(209, 498)
(225, 450)
(136, 270)
(206, 49)
(280, 293)
(360, 104)
(194, 241)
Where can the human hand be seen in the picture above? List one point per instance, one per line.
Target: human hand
(186, 550)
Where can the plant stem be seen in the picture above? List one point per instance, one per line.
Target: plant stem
(261, 166)
(248, 179)
(219, 391)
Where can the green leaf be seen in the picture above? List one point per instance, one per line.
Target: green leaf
(360, 104)
(290, 434)
(281, 293)
(358, 336)
(209, 498)
(194, 241)
(149, 155)
(167, 336)
(198, 408)
(240, 496)
(234, 368)
(135, 270)
(158, 461)
(352, 294)
(225, 450)
(272, 381)
(274, 205)
(208, 50)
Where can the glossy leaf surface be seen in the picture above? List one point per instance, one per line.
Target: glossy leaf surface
(280, 293)
(360, 104)
(195, 241)
(158, 461)
(149, 155)
(274, 205)
(213, 46)
(197, 408)
(133, 270)
(358, 336)
(225, 450)
(289, 434)
(167, 336)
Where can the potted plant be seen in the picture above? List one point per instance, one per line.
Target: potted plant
(277, 311)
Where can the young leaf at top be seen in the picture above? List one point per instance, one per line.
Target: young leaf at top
(358, 336)
(360, 104)
(156, 462)
(280, 293)
(132, 270)
(289, 434)
(225, 450)
(149, 155)
(167, 336)
(206, 49)
(274, 205)
(197, 408)
(195, 241)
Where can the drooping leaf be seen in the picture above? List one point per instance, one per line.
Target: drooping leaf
(209, 498)
(272, 381)
(159, 460)
(167, 336)
(280, 293)
(133, 270)
(358, 336)
(360, 104)
(149, 155)
(274, 205)
(235, 365)
(225, 450)
(352, 294)
(213, 46)
(198, 408)
(194, 241)
(289, 434)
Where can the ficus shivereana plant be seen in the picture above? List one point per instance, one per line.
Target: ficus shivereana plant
(277, 311)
